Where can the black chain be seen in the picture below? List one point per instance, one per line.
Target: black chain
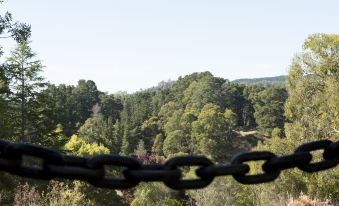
(92, 170)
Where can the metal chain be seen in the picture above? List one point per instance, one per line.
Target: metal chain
(92, 169)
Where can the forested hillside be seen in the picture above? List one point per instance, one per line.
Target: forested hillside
(195, 114)
(266, 81)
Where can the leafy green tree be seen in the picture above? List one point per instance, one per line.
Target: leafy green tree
(111, 106)
(205, 90)
(310, 109)
(174, 143)
(63, 107)
(55, 139)
(173, 122)
(150, 129)
(233, 97)
(85, 95)
(161, 95)
(98, 129)
(269, 108)
(154, 194)
(212, 132)
(16, 30)
(71, 106)
(78, 146)
(312, 84)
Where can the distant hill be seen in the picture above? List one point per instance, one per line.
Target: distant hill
(266, 81)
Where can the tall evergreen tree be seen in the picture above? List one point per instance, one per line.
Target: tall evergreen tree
(25, 83)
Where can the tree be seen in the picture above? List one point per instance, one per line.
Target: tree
(85, 95)
(79, 147)
(269, 108)
(16, 30)
(157, 145)
(63, 107)
(140, 150)
(212, 132)
(205, 90)
(19, 32)
(98, 129)
(311, 111)
(25, 83)
(5, 123)
(55, 139)
(110, 106)
(150, 129)
(312, 84)
(154, 194)
(174, 143)
(99, 196)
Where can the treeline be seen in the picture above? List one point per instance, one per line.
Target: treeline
(196, 114)
(266, 81)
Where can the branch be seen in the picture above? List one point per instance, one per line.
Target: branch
(5, 37)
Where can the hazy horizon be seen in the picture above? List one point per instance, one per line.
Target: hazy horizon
(128, 46)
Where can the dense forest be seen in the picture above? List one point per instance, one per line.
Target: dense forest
(266, 81)
(195, 114)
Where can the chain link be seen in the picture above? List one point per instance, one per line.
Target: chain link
(318, 166)
(94, 169)
(178, 184)
(258, 178)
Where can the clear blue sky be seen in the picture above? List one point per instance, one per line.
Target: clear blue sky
(133, 44)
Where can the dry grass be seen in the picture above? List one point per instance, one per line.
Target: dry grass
(247, 133)
(304, 200)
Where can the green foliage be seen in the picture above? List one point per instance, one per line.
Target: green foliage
(61, 194)
(266, 81)
(86, 95)
(56, 138)
(223, 191)
(174, 143)
(6, 130)
(100, 130)
(150, 129)
(312, 111)
(16, 30)
(93, 195)
(62, 103)
(78, 146)
(158, 145)
(140, 150)
(197, 114)
(25, 83)
(110, 106)
(206, 90)
(154, 194)
(269, 108)
(212, 132)
(276, 133)
(313, 102)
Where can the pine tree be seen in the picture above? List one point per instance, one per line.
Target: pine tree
(25, 83)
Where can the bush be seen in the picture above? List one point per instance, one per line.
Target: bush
(304, 200)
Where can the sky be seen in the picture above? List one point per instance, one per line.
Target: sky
(128, 45)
